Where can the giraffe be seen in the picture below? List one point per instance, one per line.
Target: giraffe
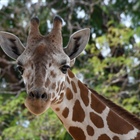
(45, 67)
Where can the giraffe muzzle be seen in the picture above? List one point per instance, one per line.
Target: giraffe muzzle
(37, 101)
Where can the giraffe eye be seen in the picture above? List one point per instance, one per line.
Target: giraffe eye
(64, 68)
(20, 69)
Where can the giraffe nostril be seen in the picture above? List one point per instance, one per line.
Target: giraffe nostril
(37, 94)
(44, 96)
(31, 94)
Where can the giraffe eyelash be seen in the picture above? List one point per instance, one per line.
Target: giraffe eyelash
(64, 68)
(20, 69)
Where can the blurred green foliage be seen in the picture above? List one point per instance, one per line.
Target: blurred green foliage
(110, 63)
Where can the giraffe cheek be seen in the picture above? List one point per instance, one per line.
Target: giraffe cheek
(36, 106)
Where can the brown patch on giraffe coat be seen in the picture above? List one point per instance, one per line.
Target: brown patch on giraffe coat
(77, 133)
(121, 127)
(83, 93)
(53, 85)
(50, 64)
(40, 49)
(96, 120)
(32, 66)
(71, 75)
(57, 109)
(61, 96)
(97, 105)
(74, 87)
(65, 112)
(47, 83)
(58, 87)
(78, 112)
(90, 130)
(137, 137)
(62, 86)
(69, 94)
(116, 138)
(53, 74)
(68, 80)
(104, 137)
(52, 41)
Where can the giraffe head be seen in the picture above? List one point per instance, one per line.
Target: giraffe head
(43, 63)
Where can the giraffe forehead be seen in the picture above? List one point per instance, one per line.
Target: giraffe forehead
(50, 54)
(44, 50)
(43, 56)
(42, 47)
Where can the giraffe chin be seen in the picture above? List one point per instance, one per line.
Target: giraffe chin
(36, 106)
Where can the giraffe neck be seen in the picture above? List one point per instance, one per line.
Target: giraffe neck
(87, 115)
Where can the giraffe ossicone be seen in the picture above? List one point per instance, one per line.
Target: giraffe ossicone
(44, 65)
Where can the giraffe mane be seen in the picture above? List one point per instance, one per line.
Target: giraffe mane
(130, 118)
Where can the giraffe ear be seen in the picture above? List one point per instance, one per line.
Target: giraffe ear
(11, 44)
(77, 43)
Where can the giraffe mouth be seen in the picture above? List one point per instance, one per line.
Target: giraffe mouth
(37, 106)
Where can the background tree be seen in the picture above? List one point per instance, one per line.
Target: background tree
(110, 64)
